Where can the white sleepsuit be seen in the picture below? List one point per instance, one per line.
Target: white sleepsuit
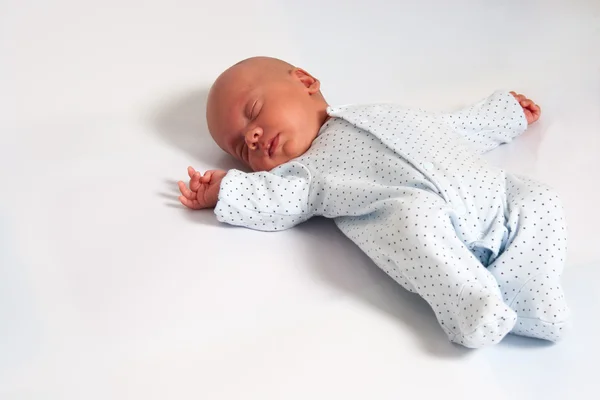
(483, 247)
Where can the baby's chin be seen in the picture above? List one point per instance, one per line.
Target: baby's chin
(271, 163)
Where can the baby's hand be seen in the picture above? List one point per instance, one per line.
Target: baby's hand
(203, 191)
(532, 111)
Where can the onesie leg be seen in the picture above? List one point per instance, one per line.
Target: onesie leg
(528, 271)
(413, 240)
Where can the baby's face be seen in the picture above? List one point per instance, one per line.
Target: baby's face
(262, 117)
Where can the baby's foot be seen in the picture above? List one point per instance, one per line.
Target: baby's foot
(484, 319)
(541, 309)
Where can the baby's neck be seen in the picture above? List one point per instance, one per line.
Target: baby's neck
(323, 116)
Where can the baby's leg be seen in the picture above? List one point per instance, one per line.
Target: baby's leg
(413, 240)
(529, 269)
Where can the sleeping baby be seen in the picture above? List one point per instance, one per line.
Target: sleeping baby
(484, 248)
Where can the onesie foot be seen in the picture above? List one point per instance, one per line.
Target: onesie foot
(536, 328)
(484, 319)
(541, 309)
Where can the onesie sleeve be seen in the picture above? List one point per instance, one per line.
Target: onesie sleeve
(489, 123)
(265, 201)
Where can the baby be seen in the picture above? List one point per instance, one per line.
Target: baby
(483, 247)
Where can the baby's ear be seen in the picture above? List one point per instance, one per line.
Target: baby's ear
(310, 82)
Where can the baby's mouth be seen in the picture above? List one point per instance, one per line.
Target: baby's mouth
(273, 145)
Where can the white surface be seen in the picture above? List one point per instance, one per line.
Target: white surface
(109, 290)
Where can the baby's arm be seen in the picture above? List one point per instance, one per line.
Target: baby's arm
(494, 121)
(266, 201)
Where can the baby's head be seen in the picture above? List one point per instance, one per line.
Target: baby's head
(265, 112)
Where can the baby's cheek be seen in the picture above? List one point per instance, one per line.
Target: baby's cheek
(285, 148)
(292, 149)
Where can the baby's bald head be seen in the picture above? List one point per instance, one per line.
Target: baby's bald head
(263, 66)
(261, 99)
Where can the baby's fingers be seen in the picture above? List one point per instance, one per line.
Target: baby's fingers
(195, 182)
(517, 96)
(185, 191)
(533, 107)
(207, 176)
(191, 172)
(536, 111)
(526, 103)
(192, 204)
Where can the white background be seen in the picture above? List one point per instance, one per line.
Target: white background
(110, 290)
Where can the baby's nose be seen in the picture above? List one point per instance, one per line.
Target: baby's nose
(252, 138)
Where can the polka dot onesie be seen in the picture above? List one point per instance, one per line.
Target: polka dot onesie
(483, 247)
